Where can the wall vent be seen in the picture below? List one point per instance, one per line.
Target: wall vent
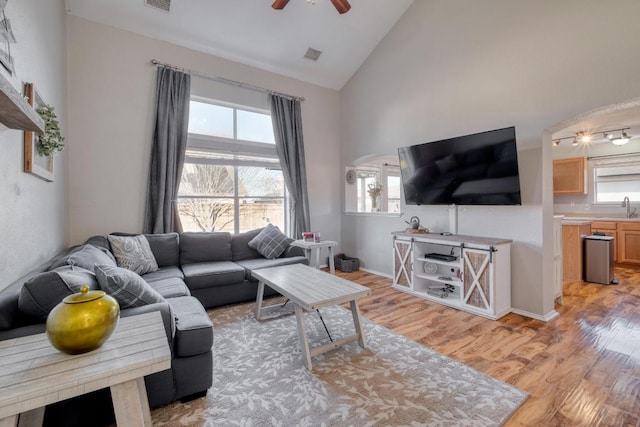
(312, 54)
(159, 4)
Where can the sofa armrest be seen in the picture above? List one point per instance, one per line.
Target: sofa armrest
(166, 311)
(194, 330)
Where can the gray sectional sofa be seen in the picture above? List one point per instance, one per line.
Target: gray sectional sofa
(195, 271)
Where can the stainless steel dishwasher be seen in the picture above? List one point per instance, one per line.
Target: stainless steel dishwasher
(598, 259)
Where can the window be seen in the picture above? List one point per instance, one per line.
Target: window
(393, 193)
(231, 179)
(369, 176)
(615, 181)
(364, 180)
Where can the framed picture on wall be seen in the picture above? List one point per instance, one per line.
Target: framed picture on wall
(6, 39)
(34, 163)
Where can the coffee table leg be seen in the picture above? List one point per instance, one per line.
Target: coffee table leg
(130, 403)
(302, 333)
(355, 312)
(259, 298)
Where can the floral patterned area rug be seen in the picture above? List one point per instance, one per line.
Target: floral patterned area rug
(259, 379)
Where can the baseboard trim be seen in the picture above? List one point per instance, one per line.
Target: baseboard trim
(546, 318)
(377, 273)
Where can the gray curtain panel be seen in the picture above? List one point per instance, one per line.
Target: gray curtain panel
(287, 127)
(168, 151)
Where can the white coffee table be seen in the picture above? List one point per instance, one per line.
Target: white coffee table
(310, 289)
(311, 247)
(33, 374)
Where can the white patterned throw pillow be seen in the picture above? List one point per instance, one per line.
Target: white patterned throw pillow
(270, 243)
(133, 253)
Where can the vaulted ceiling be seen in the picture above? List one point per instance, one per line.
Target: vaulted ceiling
(253, 33)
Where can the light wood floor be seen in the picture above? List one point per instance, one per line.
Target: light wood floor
(581, 369)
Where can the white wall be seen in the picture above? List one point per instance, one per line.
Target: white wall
(33, 213)
(111, 106)
(454, 67)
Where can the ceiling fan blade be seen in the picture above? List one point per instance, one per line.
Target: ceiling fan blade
(342, 6)
(279, 4)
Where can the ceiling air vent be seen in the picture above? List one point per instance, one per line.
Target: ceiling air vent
(312, 54)
(159, 4)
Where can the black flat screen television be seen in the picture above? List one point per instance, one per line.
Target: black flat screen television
(478, 169)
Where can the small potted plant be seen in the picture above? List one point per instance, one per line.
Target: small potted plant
(49, 141)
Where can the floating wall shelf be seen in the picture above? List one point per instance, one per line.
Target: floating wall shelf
(15, 112)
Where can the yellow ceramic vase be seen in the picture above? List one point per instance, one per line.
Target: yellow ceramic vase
(82, 322)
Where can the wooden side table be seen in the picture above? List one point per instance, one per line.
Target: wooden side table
(316, 247)
(33, 374)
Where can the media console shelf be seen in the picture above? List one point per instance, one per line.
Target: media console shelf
(465, 272)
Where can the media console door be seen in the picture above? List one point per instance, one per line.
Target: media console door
(478, 280)
(403, 263)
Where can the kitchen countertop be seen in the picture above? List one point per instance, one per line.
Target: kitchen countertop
(591, 217)
(576, 222)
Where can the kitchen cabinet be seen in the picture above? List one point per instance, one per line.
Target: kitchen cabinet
(557, 259)
(628, 234)
(608, 228)
(572, 248)
(570, 176)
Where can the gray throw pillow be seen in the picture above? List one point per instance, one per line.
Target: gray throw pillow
(133, 253)
(85, 256)
(127, 287)
(41, 293)
(270, 242)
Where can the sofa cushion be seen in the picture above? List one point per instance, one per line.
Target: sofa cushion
(205, 247)
(163, 273)
(254, 264)
(209, 274)
(170, 287)
(133, 253)
(194, 331)
(166, 248)
(270, 242)
(127, 287)
(85, 256)
(240, 245)
(41, 293)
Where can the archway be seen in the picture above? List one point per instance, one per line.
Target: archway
(598, 115)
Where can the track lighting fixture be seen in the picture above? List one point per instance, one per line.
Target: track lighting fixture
(616, 136)
(584, 136)
(622, 139)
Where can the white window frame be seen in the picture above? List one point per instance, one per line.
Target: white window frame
(235, 147)
(612, 163)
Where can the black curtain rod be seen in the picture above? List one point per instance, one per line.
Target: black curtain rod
(613, 155)
(226, 81)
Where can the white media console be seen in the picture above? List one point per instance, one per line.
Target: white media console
(466, 272)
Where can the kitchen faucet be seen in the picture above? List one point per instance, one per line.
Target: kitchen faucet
(627, 204)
